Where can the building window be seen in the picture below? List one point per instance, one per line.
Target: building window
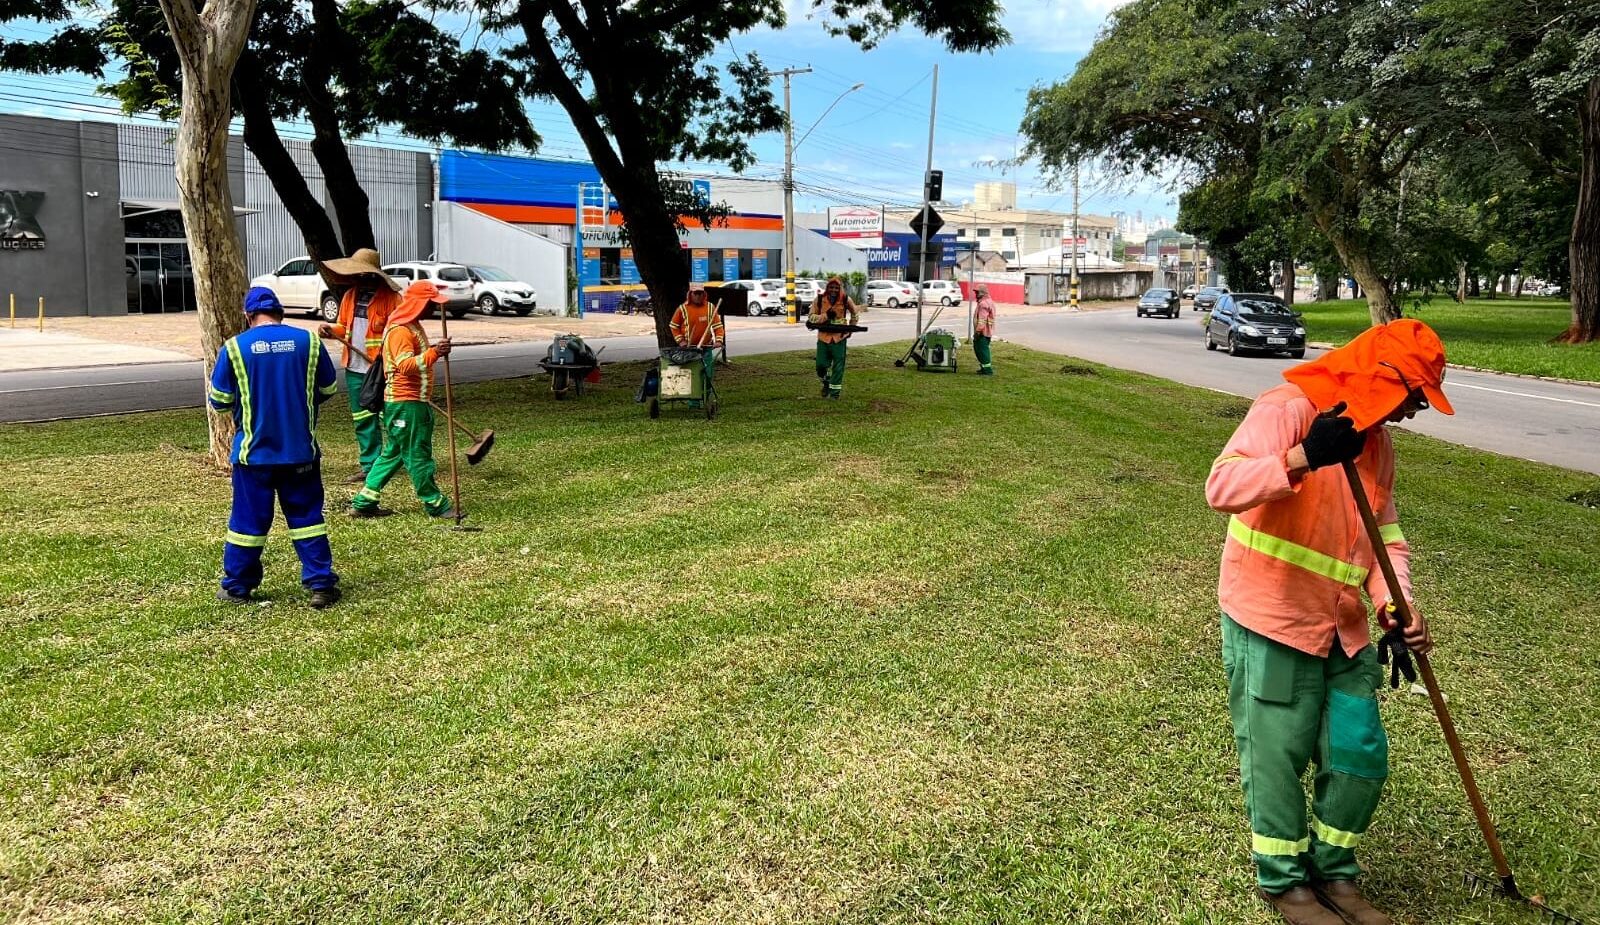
(1008, 232)
(983, 232)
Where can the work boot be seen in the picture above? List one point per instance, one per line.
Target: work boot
(362, 513)
(1299, 906)
(228, 597)
(825, 388)
(446, 511)
(325, 597)
(1345, 898)
(835, 394)
(360, 478)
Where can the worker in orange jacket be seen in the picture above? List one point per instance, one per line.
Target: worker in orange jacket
(1302, 672)
(695, 323)
(408, 362)
(833, 306)
(370, 295)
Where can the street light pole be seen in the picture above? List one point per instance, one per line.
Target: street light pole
(927, 178)
(1074, 236)
(788, 195)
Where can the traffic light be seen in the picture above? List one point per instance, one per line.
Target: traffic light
(935, 185)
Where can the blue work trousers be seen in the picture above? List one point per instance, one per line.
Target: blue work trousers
(299, 490)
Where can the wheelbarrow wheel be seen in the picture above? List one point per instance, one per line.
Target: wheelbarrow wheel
(655, 408)
(712, 404)
(558, 383)
(577, 386)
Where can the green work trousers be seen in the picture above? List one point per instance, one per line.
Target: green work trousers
(1290, 709)
(980, 349)
(408, 427)
(369, 428)
(830, 364)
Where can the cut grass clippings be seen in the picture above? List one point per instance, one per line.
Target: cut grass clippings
(944, 650)
(1507, 335)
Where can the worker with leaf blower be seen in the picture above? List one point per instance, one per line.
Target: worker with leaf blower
(833, 306)
(408, 362)
(370, 295)
(1302, 671)
(273, 378)
(697, 324)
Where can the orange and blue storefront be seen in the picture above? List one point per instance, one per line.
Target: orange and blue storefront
(547, 197)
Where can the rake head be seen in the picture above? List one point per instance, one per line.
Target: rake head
(480, 448)
(1507, 887)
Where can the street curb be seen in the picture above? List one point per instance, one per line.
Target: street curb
(49, 369)
(1495, 372)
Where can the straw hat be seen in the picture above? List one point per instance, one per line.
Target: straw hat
(364, 262)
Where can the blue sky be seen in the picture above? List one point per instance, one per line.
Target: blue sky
(872, 146)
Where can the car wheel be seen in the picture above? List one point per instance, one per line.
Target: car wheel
(456, 314)
(330, 308)
(893, 302)
(946, 302)
(1206, 333)
(1233, 346)
(1139, 312)
(488, 305)
(558, 384)
(1297, 354)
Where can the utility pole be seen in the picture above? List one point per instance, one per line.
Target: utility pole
(1074, 287)
(788, 195)
(972, 274)
(927, 178)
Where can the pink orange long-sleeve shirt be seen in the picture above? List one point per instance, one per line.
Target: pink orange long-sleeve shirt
(1297, 557)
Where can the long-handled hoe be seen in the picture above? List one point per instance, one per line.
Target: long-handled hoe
(1507, 885)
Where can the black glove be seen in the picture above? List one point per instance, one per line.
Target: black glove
(1394, 642)
(1333, 439)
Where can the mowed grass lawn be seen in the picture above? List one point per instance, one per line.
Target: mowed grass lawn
(1509, 335)
(945, 650)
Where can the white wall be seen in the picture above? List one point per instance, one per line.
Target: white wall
(820, 253)
(466, 236)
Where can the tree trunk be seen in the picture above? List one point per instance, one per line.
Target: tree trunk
(1461, 281)
(209, 45)
(1584, 249)
(1516, 287)
(1475, 286)
(1492, 291)
(653, 234)
(1288, 279)
(1381, 307)
(350, 204)
(261, 137)
(1327, 288)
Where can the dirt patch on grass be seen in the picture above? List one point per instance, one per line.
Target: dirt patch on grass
(1078, 369)
(1589, 498)
(885, 406)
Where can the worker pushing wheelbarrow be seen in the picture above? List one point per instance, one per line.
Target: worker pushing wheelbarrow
(685, 373)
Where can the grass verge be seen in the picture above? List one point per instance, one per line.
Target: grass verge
(944, 650)
(1508, 335)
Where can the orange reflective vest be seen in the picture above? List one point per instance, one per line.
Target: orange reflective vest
(841, 312)
(408, 364)
(1297, 557)
(383, 303)
(690, 325)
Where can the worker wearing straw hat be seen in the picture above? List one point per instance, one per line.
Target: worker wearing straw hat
(369, 297)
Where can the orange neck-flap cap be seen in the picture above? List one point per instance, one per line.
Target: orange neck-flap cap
(414, 303)
(1375, 372)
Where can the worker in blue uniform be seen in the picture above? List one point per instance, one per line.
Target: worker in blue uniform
(273, 377)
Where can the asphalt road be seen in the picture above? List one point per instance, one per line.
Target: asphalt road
(1546, 422)
(1542, 421)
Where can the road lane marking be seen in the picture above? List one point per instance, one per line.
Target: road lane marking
(89, 385)
(1565, 401)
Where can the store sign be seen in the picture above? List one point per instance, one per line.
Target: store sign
(19, 221)
(857, 226)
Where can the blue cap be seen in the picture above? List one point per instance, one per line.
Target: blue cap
(261, 299)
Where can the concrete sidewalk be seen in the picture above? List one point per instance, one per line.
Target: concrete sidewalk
(22, 349)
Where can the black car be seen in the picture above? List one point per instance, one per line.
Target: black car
(1251, 321)
(1206, 299)
(1159, 302)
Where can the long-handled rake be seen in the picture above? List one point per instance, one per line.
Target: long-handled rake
(449, 412)
(1507, 885)
(912, 350)
(481, 443)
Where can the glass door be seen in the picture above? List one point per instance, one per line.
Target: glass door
(159, 276)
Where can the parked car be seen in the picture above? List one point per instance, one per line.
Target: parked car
(1253, 321)
(942, 291)
(494, 289)
(761, 300)
(297, 284)
(807, 290)
(1206, 299)
(1158, 302)
(890, 292)
(1549, 289)
(453, 279)
(1189, 291)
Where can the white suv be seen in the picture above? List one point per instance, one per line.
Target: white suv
(942, 291)
(297, 284)
(453, 279)
(762, 301)
(890, 292)
(494, 289)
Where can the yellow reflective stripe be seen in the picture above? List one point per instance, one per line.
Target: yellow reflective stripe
(306, 533)
(247, 418)
(1339, 838)
(361, 415)
(1278, 847)
(1293, 553)
(311, 386)
(1391, 533)
(245, 539)
(1228, 459)
(368, 493)
(220, 397)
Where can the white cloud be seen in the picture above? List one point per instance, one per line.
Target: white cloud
(1057, 25)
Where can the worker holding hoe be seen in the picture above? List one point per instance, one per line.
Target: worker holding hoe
(272, 378)
(695, 323)
(407, 415)
(364, 308)
(833, 306)
(1302, 672)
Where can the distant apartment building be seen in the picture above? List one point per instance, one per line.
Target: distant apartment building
(995, 223)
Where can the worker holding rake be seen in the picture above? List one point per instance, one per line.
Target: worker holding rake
(1302, 670)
